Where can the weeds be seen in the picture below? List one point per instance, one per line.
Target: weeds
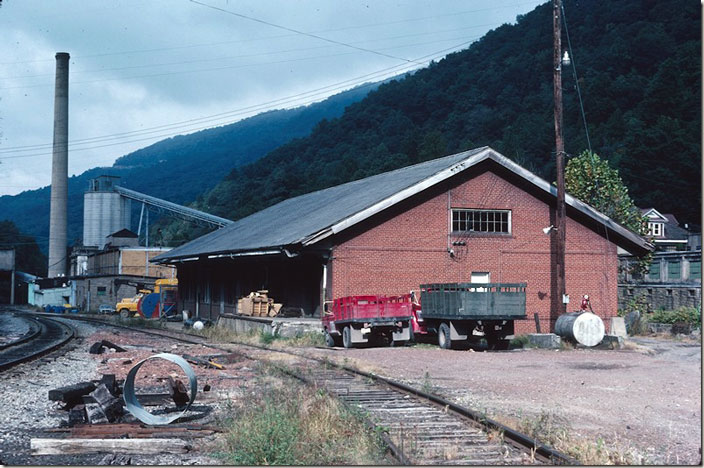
(263, 337)
(521, 341)
(566, 345)
(555, 432)
(427, 384)
(297, 425)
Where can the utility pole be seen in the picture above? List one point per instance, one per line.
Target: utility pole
(560, 221)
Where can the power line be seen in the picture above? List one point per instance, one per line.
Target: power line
(210, 44)
(303, 33)
(74, 72)
(210, 118)
(391, 71)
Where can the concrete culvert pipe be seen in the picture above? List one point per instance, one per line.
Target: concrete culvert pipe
(583, 327)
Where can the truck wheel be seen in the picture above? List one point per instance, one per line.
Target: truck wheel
(329, 340)
(347, 337)
(444, 340)
(124, 313)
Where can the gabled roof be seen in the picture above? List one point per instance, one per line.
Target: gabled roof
(672, 230)
(653, 214)
(124, 233)
(309, 218)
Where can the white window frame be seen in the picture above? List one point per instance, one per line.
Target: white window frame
(656, 229)
(480, 223)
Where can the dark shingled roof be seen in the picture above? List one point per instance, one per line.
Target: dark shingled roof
(308, 218)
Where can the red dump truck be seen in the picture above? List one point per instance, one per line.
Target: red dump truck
(379, 319)
(451, 312)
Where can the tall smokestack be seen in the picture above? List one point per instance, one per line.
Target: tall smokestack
(59, 172)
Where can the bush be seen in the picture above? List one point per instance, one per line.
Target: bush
(639, 303)
(689, 315)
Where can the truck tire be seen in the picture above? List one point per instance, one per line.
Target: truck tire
(124, 313)
(329, 340)
(444, 340)
(347, 337)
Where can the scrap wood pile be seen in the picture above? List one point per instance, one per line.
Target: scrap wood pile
(98, 419)
(101, 402)
(258, 304)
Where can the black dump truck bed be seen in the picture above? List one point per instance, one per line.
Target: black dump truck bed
(473, 301)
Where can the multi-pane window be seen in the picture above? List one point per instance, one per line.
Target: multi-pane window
(498, 221)
(655, 229)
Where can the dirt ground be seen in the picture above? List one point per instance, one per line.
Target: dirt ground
(644, 400)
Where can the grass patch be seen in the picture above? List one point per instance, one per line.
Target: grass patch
(263, 337)
(292, 424)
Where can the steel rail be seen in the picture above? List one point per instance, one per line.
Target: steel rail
(53, 335)
(516, 438)
(35, 329)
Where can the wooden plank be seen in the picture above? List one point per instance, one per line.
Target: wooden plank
(123, 446)
(71, 393)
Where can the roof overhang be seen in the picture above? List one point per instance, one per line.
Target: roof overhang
(225, 255)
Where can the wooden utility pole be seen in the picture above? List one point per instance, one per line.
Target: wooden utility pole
(560, 221)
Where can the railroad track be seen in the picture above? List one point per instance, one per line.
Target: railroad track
(46, 336)
(419, 428)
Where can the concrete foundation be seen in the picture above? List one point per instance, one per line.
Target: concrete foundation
(285, 327)
(611, 342)
(618, 327)
(544, 340)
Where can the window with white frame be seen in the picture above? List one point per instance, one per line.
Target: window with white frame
(655, 229)
(483, 221)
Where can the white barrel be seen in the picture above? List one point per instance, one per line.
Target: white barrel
(583, 327)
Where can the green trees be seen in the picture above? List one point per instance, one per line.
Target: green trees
(594, 181)
(28, 257)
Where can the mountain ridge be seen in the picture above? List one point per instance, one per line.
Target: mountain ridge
(639, 73)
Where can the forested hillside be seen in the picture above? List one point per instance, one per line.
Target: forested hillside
(639, 67)
(181, 168)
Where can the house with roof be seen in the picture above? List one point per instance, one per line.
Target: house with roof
(472, 216)
(674, 276)
(667, 233)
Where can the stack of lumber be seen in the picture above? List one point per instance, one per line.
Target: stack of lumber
(258, 304)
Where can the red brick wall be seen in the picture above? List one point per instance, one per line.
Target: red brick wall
(409, 249)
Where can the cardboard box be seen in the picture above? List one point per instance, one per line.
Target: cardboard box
(244, 306)
(274, 309)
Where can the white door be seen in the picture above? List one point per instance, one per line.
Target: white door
(481, 278)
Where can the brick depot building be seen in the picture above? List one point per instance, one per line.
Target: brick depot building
(470, 217)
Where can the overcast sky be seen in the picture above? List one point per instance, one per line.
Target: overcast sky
(141, 71)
